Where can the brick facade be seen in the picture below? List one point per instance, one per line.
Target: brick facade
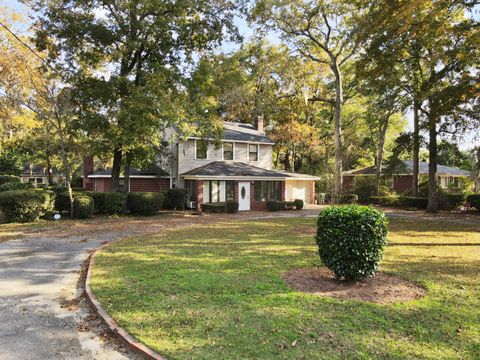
(149, 185)
(87, 170)
(136, 184)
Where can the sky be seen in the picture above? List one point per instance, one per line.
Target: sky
(466, 142)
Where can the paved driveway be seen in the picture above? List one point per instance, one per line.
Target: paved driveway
(42, 312)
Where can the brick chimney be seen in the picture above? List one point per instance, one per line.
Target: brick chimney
(259, 123)
(87, 170)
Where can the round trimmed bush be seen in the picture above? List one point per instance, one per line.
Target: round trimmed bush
(351, 240)
(114, 203)
(298, 204)
(25, 205)
(62, 202)
(98, 201)
(145, 203)
(231, 207)
(10, 182)
(83, 207)
(176, 199)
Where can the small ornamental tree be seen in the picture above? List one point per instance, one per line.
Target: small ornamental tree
(351, 240)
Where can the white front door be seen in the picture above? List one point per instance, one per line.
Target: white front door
(243, 196)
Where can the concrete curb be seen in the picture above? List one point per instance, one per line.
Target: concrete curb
(111, 324)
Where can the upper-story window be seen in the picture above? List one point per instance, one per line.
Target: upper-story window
(252, 152)
(227, 151)
(201, 149)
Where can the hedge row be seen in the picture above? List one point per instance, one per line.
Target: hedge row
(226, 207)
(275, 205)
(474, 201)
(145, 203)
(10, 182)
(400, 201)
(26, 205)
(446, 201)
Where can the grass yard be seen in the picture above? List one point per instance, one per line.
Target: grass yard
(215, 292)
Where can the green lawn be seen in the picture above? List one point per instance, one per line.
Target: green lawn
(215, 292)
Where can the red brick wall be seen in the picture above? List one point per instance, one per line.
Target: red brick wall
(402, 183)
(348, 183)
(102, 185)
(87, 170)
(148, 185)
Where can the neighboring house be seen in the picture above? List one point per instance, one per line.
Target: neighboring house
(38, 175)
(240, 169)
(401, 178)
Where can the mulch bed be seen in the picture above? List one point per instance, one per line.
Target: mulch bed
(381, 289)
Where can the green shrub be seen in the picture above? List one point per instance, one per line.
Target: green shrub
(365, 187)
(145, 203)
(413, 202)
(450, 201)
(26, 205)
(214, 207)
(57, 189)
(474, 201)
(348, 199)
(298, 204)
(62, 202)
(275, 205)
(98, 201)
(176, 199)
(77, 181)
(114, 203)
(231, 207)
(385, 200)
(10, 182)
(83, 207)
(351, 240)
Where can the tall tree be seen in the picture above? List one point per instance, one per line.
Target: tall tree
(323, 32)
(126, 53)
(430, 46)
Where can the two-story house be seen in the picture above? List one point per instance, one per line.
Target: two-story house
(240, 170)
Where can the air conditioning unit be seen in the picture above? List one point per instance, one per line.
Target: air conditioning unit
(191, 205)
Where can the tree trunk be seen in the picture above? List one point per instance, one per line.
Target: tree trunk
(338, 132)
(116, 167)
(432, 172)
(416, 147)
(381, 145)
(126, 183)
(49, 170)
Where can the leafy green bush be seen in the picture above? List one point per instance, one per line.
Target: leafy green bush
(10, 182)
(385, 200)
(113, 203)
(298, 204)
(145, 203)
(474, 201)
(176, 199)
(83, 207)
(275, 205)
(365, 188)
(413, 202)
(26, 205)
(214, 207)
(62, 202)
(351, 240)
(451, 201)
(348, 199)
(231, 207)
(98, 201)
(57, 189)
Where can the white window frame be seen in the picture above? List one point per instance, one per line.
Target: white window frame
(195, 150)
(233, 150)
(258, 152)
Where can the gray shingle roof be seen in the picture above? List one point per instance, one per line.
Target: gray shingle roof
(234, 169)
(407, 169)
(235, 131)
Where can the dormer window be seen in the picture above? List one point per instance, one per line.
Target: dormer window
(252, 152)
(201, 149)
(227, 151)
